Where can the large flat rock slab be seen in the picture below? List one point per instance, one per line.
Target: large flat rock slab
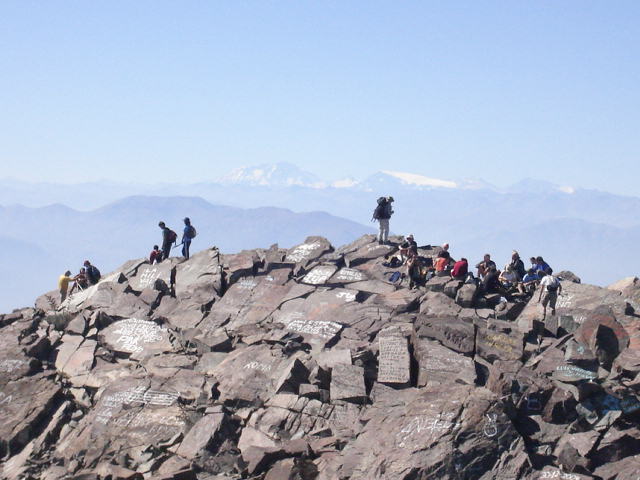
(577, 301)
(311, 250)
(136, 336)
(249, 375)
(24, 404)
(132, 414)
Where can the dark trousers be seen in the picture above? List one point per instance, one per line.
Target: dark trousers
(185, 248)
(166, 250)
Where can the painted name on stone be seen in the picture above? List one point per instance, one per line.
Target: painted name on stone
(576, 372)
(394, 360)
(301, 252)
(320, 328)
(262, 367)
(134, 333)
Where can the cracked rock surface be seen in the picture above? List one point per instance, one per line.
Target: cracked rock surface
(309, 364)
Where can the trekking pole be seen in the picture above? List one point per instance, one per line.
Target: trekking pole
(175, 246)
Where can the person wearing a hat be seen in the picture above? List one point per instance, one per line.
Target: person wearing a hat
(187, 235)
(382, 214)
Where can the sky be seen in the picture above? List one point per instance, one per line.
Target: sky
(186, 91)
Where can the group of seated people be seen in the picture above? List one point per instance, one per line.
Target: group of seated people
(513, 280)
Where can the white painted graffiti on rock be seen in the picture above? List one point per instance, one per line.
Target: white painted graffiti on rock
(346, 296)
(346, 275)
(140, 395)
(148, 277)
(320, 328)
(262, 367)
(318, 275)
(5, 399)
(426, 426)
(9, 366)
(247, 284)
(301, 252)
(135, 332)
(559, 474)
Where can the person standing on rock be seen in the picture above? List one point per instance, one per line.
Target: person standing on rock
(63, 284)
(550, 287)
(382, 214)
(169, 237)
(187, 235)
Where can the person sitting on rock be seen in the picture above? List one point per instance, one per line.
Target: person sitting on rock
(550, 287)
(518, 265)
(508, 278)
(460, 269)
(92, 272)
(491, 281)
(416, 270)
(542, 266)
(79, 281)
(530, 281)
(156, 255)
(441, 266)
(484, 266)
(408, 245)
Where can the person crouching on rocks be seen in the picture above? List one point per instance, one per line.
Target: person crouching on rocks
(156, 255)
(79, 281)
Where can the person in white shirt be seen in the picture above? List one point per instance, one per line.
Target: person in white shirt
(550, 287)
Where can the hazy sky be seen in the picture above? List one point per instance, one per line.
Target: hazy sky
(185, 91)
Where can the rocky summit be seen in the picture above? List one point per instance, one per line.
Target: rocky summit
(309, 363)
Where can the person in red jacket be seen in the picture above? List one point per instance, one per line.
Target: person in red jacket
(156, 255)
(460, 269)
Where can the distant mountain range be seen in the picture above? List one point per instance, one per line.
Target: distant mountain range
(46, 241)
(573, 228)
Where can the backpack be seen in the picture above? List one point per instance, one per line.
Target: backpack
(191, 232)
(94, 273)
(173, 237)
(395, 276)
(378, 213)
(553, 287)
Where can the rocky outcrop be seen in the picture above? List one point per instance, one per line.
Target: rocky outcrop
(309, 363)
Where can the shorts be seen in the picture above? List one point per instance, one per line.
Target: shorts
(550, 298)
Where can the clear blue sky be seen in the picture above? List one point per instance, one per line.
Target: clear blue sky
(185, 91)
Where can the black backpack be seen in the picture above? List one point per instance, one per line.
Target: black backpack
(94, 273)
(378, 213)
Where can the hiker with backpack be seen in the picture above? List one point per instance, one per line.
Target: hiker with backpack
(382, 214)
(92, 273)
(169, 237)
(550, 287)
(187, 235)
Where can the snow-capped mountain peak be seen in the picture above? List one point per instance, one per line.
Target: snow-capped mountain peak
(420, 180)
(272, 175)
